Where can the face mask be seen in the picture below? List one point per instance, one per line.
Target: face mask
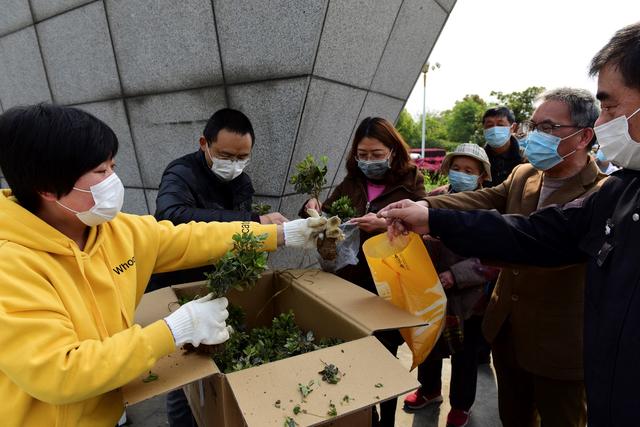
(227, 170)
(497, 136)
(374, 169)
(523, 143)
(108, 197)
(600, 156)
(461, 181)
(542, 149)
(616, 143)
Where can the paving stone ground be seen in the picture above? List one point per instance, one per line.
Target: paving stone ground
(151, 413)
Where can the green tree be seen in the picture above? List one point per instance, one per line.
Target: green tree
(435, 129)
(463, 121)
(521, 103)
(408, 128)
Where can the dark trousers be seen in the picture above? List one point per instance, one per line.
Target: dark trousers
(529, 400)
(391, 341)
(178, 410)
(464, 368)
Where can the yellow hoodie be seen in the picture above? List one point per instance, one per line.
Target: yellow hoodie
(67, 337)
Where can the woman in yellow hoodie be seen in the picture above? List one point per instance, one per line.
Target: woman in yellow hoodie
(73, 269)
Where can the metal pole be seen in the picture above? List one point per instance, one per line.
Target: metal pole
(425, 68)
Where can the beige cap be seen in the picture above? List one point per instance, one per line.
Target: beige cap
(470, 150)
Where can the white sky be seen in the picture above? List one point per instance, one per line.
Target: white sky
(513, 44)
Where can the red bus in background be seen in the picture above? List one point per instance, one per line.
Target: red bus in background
(432, 160)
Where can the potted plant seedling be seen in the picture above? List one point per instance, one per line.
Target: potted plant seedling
(309, 179)
(260, 208)
(342, 208)
(310, 176)
(239, 268)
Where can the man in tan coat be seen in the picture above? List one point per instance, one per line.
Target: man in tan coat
(534, 320)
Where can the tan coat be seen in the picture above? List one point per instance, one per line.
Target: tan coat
(543, 305)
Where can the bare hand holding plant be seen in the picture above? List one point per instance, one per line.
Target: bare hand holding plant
(370, 223)
(314, 204)
(404, 216)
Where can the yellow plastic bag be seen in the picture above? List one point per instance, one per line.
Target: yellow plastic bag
(404, 275)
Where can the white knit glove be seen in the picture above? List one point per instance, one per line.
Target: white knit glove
(302, 233)
(200, 322)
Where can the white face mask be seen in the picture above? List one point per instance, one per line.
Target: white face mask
(108, 197)
(616, 143)
(227, 170)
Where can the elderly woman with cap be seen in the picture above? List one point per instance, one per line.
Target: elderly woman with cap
(467, 168)
(464, 281)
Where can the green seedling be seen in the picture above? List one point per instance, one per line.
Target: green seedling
(330, 373)
(305, 390)
(241, 267)
(149, 378)
(310, 176)
(342, 208)
(333, 412)
(258, 346)
(261, 208)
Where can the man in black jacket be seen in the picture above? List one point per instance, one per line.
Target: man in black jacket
(501, 147)
(208, 185)
(602, 229)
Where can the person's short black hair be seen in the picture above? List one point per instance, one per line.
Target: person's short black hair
(499, 112)
(622, 52)
(47, 148)
(231, 120)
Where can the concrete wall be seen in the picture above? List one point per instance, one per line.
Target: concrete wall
(304, 71)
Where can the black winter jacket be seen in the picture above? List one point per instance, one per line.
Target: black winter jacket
(189, 191)
(502, 164)
(602, 229)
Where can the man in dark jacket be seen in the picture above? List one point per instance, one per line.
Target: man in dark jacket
(502, 147)
(208, 185)
(602, 229)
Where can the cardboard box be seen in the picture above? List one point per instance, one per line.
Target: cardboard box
(323, 303)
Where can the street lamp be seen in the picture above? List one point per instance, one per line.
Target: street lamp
(425, 70)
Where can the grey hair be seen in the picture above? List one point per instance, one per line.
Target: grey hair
(583, 106)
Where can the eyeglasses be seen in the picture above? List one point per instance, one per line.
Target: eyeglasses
(545, 127)
(376, 155)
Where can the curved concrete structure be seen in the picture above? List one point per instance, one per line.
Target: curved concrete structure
(304, 71)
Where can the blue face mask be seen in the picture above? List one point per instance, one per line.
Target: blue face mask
(374, 169)
(523, 143)
(600, 156)
(542, 149)
(497, 136)
(461, 181)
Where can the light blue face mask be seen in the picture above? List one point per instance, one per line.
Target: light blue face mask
(523, 143)
(600, 156)
(542, 149)
(374, 169)
(461, 181)
(497, 136)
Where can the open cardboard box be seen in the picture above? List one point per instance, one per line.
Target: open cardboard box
(321, 302)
